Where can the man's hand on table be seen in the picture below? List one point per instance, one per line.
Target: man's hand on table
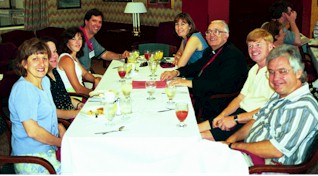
(168, 75)
(181, 82)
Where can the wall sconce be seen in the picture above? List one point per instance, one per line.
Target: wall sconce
(135, 8)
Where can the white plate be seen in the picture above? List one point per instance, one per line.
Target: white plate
(92, 111)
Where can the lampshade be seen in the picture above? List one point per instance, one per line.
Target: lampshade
(135, 7)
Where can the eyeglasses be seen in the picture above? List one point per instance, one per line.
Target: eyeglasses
(282, 72)
(215, 31)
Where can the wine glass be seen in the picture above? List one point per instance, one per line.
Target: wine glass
(182, 113)
(171, 92)
(129, 67)
(136, 54)
(153, 68)
(126, 88)
(158, 55)
(121, 72)
(147, 54)
(151, 87)
(125, 107)
(131, 58)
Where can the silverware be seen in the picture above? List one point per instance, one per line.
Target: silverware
(105, 132)
(166, 110)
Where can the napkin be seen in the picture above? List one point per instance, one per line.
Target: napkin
(166, 65)
(141, 84)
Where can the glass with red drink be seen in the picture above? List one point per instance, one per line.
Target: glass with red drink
(121, 72)
(181, 113)
(147, 54)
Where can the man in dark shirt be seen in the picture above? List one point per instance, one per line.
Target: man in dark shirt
(222, 69)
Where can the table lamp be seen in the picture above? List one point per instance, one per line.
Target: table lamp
(135, 8)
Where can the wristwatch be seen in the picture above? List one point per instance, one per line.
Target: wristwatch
(236, 119)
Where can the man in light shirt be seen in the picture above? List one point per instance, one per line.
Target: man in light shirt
(254, 94)
(284, 129)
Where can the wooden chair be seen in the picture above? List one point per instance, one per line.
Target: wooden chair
(199, 111)
(167, 49)
(7, 159)
(8, 52)
(52, 32)
(310, 161)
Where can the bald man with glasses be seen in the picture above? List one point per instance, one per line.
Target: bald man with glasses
(222, 69)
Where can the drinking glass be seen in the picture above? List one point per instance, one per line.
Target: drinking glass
(131, 58)
(153, 68)
(136, 55)
(126, 88)
(171, 92)
(110, 111)
(181, 113)
(125, 107)
(150, 87)
(147, 54)
(158, 55)
(121, 72)
(129, 68)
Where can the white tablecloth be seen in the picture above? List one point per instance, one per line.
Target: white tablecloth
(150, 142)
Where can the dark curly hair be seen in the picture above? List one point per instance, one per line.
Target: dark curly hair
(278, 7)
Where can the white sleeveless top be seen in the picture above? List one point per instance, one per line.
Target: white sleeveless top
(78, 71)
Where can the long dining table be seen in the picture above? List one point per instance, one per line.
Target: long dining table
(150, 142)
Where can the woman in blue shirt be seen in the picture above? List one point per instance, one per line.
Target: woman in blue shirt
(35, 130)
(192, 45)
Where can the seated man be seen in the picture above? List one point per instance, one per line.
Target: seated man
(222, 69)
(254, 94)
(284, 129)
(282, 11)
(93, 21)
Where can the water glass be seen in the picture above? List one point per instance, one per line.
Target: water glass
(126, 88)
(171, 92)
(153, 68)
(125, 107)
(151, 88)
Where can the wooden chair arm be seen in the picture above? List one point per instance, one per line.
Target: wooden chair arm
(78, 95)
(292, 169)
(28, 159)
(64, 122)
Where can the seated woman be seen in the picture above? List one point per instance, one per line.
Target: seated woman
(67, 107)
(192, 45)
(69, 67)
(35, 130)
(276, 29)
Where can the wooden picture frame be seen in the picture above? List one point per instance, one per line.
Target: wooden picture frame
(68, 4)
(160, 3)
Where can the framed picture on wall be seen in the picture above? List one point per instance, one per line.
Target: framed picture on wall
(68, 4)
(160, 3)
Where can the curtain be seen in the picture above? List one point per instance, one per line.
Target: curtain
(36, 14)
